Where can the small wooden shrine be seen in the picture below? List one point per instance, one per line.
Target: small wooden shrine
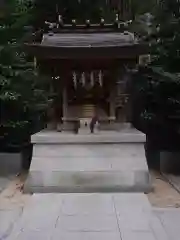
(88, 65)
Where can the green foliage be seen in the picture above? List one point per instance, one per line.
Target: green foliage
(167, 44)
(157, 102)
(23, 93)
(76, 9)
(159, 93)
(157, 90)
(140, 7)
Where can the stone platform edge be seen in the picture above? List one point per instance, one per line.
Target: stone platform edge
(50, 137)
(62, 182)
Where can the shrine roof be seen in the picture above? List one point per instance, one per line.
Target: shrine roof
(87, 39)
(94, 45)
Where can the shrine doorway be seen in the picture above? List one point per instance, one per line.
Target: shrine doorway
(85, 103)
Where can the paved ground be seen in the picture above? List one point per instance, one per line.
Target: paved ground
(12, 197)
(90, 217)
(164, 195)
(17, 210)
(8, 219)
(174, 180)
(170, 220)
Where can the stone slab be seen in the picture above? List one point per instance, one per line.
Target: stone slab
(10, 163)
(170, 219)
(88, 168)
(134, 150)
(8, 218)
(124, 136)
(89, 217)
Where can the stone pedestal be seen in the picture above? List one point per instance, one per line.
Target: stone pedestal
(103, 162)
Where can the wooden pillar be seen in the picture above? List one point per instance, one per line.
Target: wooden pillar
(62, 126)
(65, 103)
(112, 104)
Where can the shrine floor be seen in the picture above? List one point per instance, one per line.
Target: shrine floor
(103, 162)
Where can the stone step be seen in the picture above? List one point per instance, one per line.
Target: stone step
(102, 137)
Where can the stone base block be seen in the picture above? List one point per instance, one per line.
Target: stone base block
(88, 163)
(87, 182)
